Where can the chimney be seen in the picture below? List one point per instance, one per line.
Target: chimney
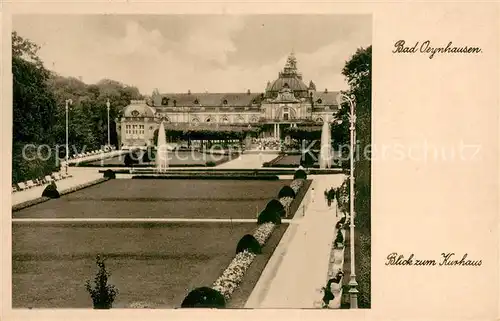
(326, 90)
(248, 92)
(189, 91)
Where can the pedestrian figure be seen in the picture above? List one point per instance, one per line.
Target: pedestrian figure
(312, 195)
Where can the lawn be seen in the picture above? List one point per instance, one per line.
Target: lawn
(136, 198)
(158, 264)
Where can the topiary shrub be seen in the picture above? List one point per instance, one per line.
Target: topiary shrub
(268, 216)
(286, 191)
(204, 297)
(276, 206)
(109, 174)
(300, 174)
(249, 243)
(102, 293)
(210, 164)
(131, 159)
(51, 191)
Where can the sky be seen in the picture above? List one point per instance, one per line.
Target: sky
(214, 53)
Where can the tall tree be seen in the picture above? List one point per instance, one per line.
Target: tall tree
(33, 102)
(358, 74)
(33, 112)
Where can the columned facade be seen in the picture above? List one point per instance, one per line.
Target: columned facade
(286, 102)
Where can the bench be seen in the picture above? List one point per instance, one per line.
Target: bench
(30, 184)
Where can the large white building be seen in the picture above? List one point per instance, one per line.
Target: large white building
(287, 101)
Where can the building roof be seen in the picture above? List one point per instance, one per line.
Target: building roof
(292, 82)
(290, 77)
(138, 108)
(325, 98)
(207, 99)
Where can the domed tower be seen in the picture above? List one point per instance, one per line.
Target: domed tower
(290, 78)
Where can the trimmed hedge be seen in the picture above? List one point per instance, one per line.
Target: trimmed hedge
(276, 206)
(268, 216)
(204, 297)
(286, 191)
(300, 174)
(51, 191)
(109, 174)
(248, 243)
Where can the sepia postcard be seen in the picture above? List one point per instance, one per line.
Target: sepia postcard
(239, 160)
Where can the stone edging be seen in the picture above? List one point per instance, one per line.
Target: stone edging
(42, 199)
(336, 266)
(234, 274)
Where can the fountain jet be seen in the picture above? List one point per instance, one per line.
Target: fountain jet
(325, 155)
(161, 150)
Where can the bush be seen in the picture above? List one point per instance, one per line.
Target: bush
(148, 155)
(102, 294)
(339, 238)
(131, 159)
(307, 160)
(300, 174)
(249, 243)
(210, 164)
(268, 216)
(51, 191)
(276, 206)
(286, 191)
(109, 174)
(204, 297)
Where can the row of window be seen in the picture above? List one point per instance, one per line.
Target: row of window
(134, 131)
(134, 127)
(165, 102)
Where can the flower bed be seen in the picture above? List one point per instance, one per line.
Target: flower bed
(82, 186)
(29, 203)
(297, 184)
(233, 274)
(286, 201)
(263, 232)
(42, 199)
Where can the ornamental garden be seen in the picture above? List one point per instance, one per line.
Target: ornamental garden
(213, 258)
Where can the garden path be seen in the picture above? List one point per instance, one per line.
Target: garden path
(248, 161)
(80, 175)
(298, 268)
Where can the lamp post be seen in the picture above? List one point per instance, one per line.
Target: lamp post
(108, 105)
(68, 102)
(353, 292)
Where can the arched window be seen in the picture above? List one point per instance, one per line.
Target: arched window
(135, 113)
(319, 101)
(225, 102)
(196, 101)
(225, 119)
(164, 101)
(208, 120)
(286, 113)
(175, 103)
